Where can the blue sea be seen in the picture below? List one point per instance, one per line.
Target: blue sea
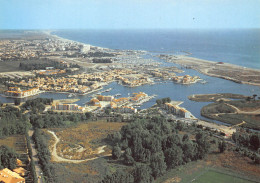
(240, 47)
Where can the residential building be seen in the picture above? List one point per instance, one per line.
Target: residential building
(8, 176)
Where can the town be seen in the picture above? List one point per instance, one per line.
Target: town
(89, 122)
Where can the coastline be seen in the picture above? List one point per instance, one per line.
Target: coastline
(206, 67)
(49, 33)
(232, 72)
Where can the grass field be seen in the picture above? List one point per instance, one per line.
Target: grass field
(9, 66)
(230, 166)
(17, 142)
(212, 176)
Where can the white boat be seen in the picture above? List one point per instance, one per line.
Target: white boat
(109, 89)
(118, 94)
(71, 95)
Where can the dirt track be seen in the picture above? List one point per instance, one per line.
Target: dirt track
(58, 158)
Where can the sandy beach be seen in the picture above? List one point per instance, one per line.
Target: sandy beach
(223, 70)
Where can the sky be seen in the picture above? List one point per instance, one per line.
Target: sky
(129, 14)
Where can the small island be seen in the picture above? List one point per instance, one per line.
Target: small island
(245, 111)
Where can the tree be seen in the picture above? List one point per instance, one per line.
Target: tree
(118, 177)
(128, 159)
(222, 146)
(7, 157)
(157, 164)
(88, 115)
(257, 158)
(17, 102)
(188, 151)
(255, 141)
(185, 138)
(116, 152)
(173, 156)
(203, 145)
(159, 102)
(142, 174)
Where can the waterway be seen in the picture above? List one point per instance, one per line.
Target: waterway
(168, 88)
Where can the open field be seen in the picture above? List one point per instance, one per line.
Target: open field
(215, 97)
(232, 165)
(216, 177)
(85, 140)
(81, 142)
(235, 112)
(17, 142)
(9, 66)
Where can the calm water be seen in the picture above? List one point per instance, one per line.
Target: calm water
(241, 47)
(238, 47)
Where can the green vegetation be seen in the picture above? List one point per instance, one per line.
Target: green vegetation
(102, 60)
(159, 102)
(8, 157)
(252, 121)
(216, 108)
(215, 97)
(222, 146)
(44, 156)
(99, 54)
(217, 177)
(36, 105)
(154, 146)
(52, 119)
(12, 121)
(234, 112)
(43, 65)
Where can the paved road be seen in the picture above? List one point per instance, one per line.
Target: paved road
(35, 157)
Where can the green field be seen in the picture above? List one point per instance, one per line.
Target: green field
(212, 176)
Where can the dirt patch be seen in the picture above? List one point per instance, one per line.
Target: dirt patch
(86, 140)
(174, 179)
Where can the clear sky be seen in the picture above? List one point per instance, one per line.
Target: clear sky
(128, 14)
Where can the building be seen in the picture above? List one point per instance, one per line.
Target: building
(16, 92)
(95, 102)
(84, 48)
(8, 176)
(105, 98)
(177, 110)
(67, 107)
(138, 96)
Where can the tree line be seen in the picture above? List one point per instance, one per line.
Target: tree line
(54, 119)
(36, 105)
(159, 102)
(44, 156)
(43, 65)
(101, 60)
(8, 157)
(248, 144)
(153, 146)
(12, 121)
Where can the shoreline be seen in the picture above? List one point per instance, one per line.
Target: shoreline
(197, 64)
(227, 71)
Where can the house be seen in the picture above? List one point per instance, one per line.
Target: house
(95, 102)
(8, 176)
(105, 98)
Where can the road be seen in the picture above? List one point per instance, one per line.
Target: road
(35, 158)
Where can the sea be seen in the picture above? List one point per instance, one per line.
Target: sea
(240, 47)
